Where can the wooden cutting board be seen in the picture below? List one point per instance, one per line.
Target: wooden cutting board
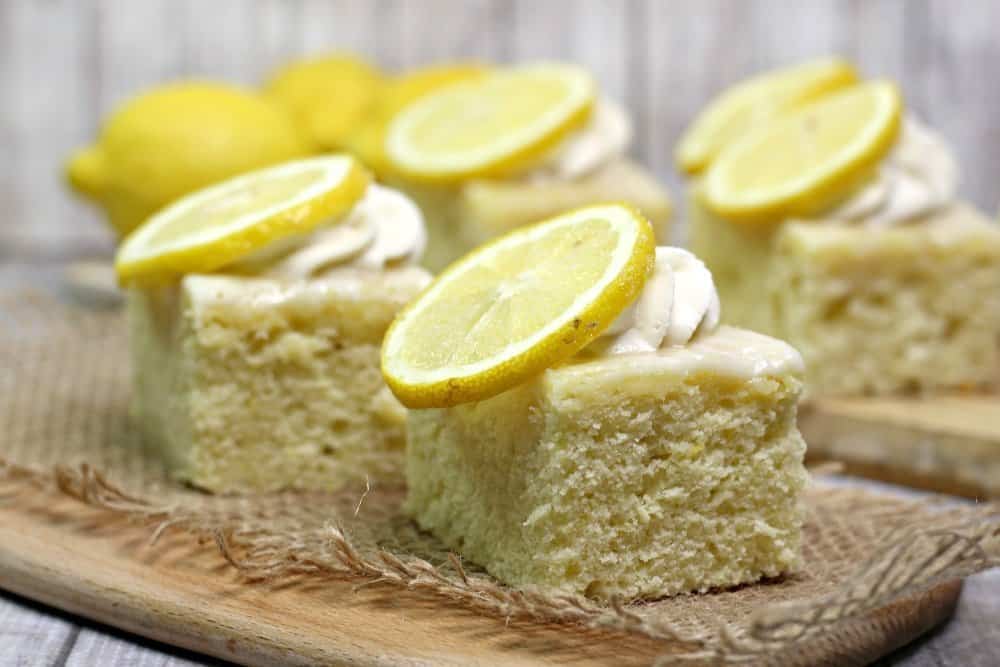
(99, 566)
(944, 444)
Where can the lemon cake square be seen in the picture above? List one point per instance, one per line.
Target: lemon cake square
(594, 431)
(511, 147)
(636, 476)
(895, 309)
(836, 226)
(257, 384)
(256, 311)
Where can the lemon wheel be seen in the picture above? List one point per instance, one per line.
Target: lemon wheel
(803, 162)
(517, 305)
(737, 111)
(491, 125)
(214, 227)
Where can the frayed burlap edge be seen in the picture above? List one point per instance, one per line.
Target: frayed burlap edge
(958, 542)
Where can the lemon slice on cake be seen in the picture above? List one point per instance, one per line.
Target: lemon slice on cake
(216, 226)
(741, 108)
(489, 126)
(802, 162)
(517, 305)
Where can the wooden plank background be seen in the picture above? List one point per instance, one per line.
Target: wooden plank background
(66, 63)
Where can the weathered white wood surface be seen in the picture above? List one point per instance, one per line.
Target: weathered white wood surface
(32, 635)
(66, 63)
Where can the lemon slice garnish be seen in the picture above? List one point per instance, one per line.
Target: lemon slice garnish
(734, 113)
(517, 305)
(490, 126)
(803, 162)
(216, 226)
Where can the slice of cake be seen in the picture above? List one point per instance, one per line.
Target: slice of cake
(639, 475)
(661, 458)
(514, 180)
(880, 276)
(264, 373)
(263, 384)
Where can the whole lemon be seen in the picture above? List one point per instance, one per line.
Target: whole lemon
(328, 96)
(175, 139)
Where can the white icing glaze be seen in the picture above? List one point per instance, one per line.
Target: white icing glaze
(238, 292)
(728, 351)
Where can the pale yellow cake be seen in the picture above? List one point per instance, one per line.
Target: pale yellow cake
(638, 475)
(260, 384)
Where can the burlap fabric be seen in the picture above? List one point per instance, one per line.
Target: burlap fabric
(64, 423)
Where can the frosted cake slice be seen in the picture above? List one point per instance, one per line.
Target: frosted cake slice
(651, 452)
(261, 384)
(256, 311)
(638, 475)
(882, 278)
(889, 309)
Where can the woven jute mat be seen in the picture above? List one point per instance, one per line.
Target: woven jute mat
(64, 425)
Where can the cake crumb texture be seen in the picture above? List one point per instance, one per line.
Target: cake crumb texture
(583, 488)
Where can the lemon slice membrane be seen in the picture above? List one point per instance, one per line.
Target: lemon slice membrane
(517, 305)
(744, 106)
(214, 227)
(490, 125)
(802, 162)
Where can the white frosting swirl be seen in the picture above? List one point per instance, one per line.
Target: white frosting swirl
(916, 179)
(604, 138)
(678, 303)
(383, 229)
